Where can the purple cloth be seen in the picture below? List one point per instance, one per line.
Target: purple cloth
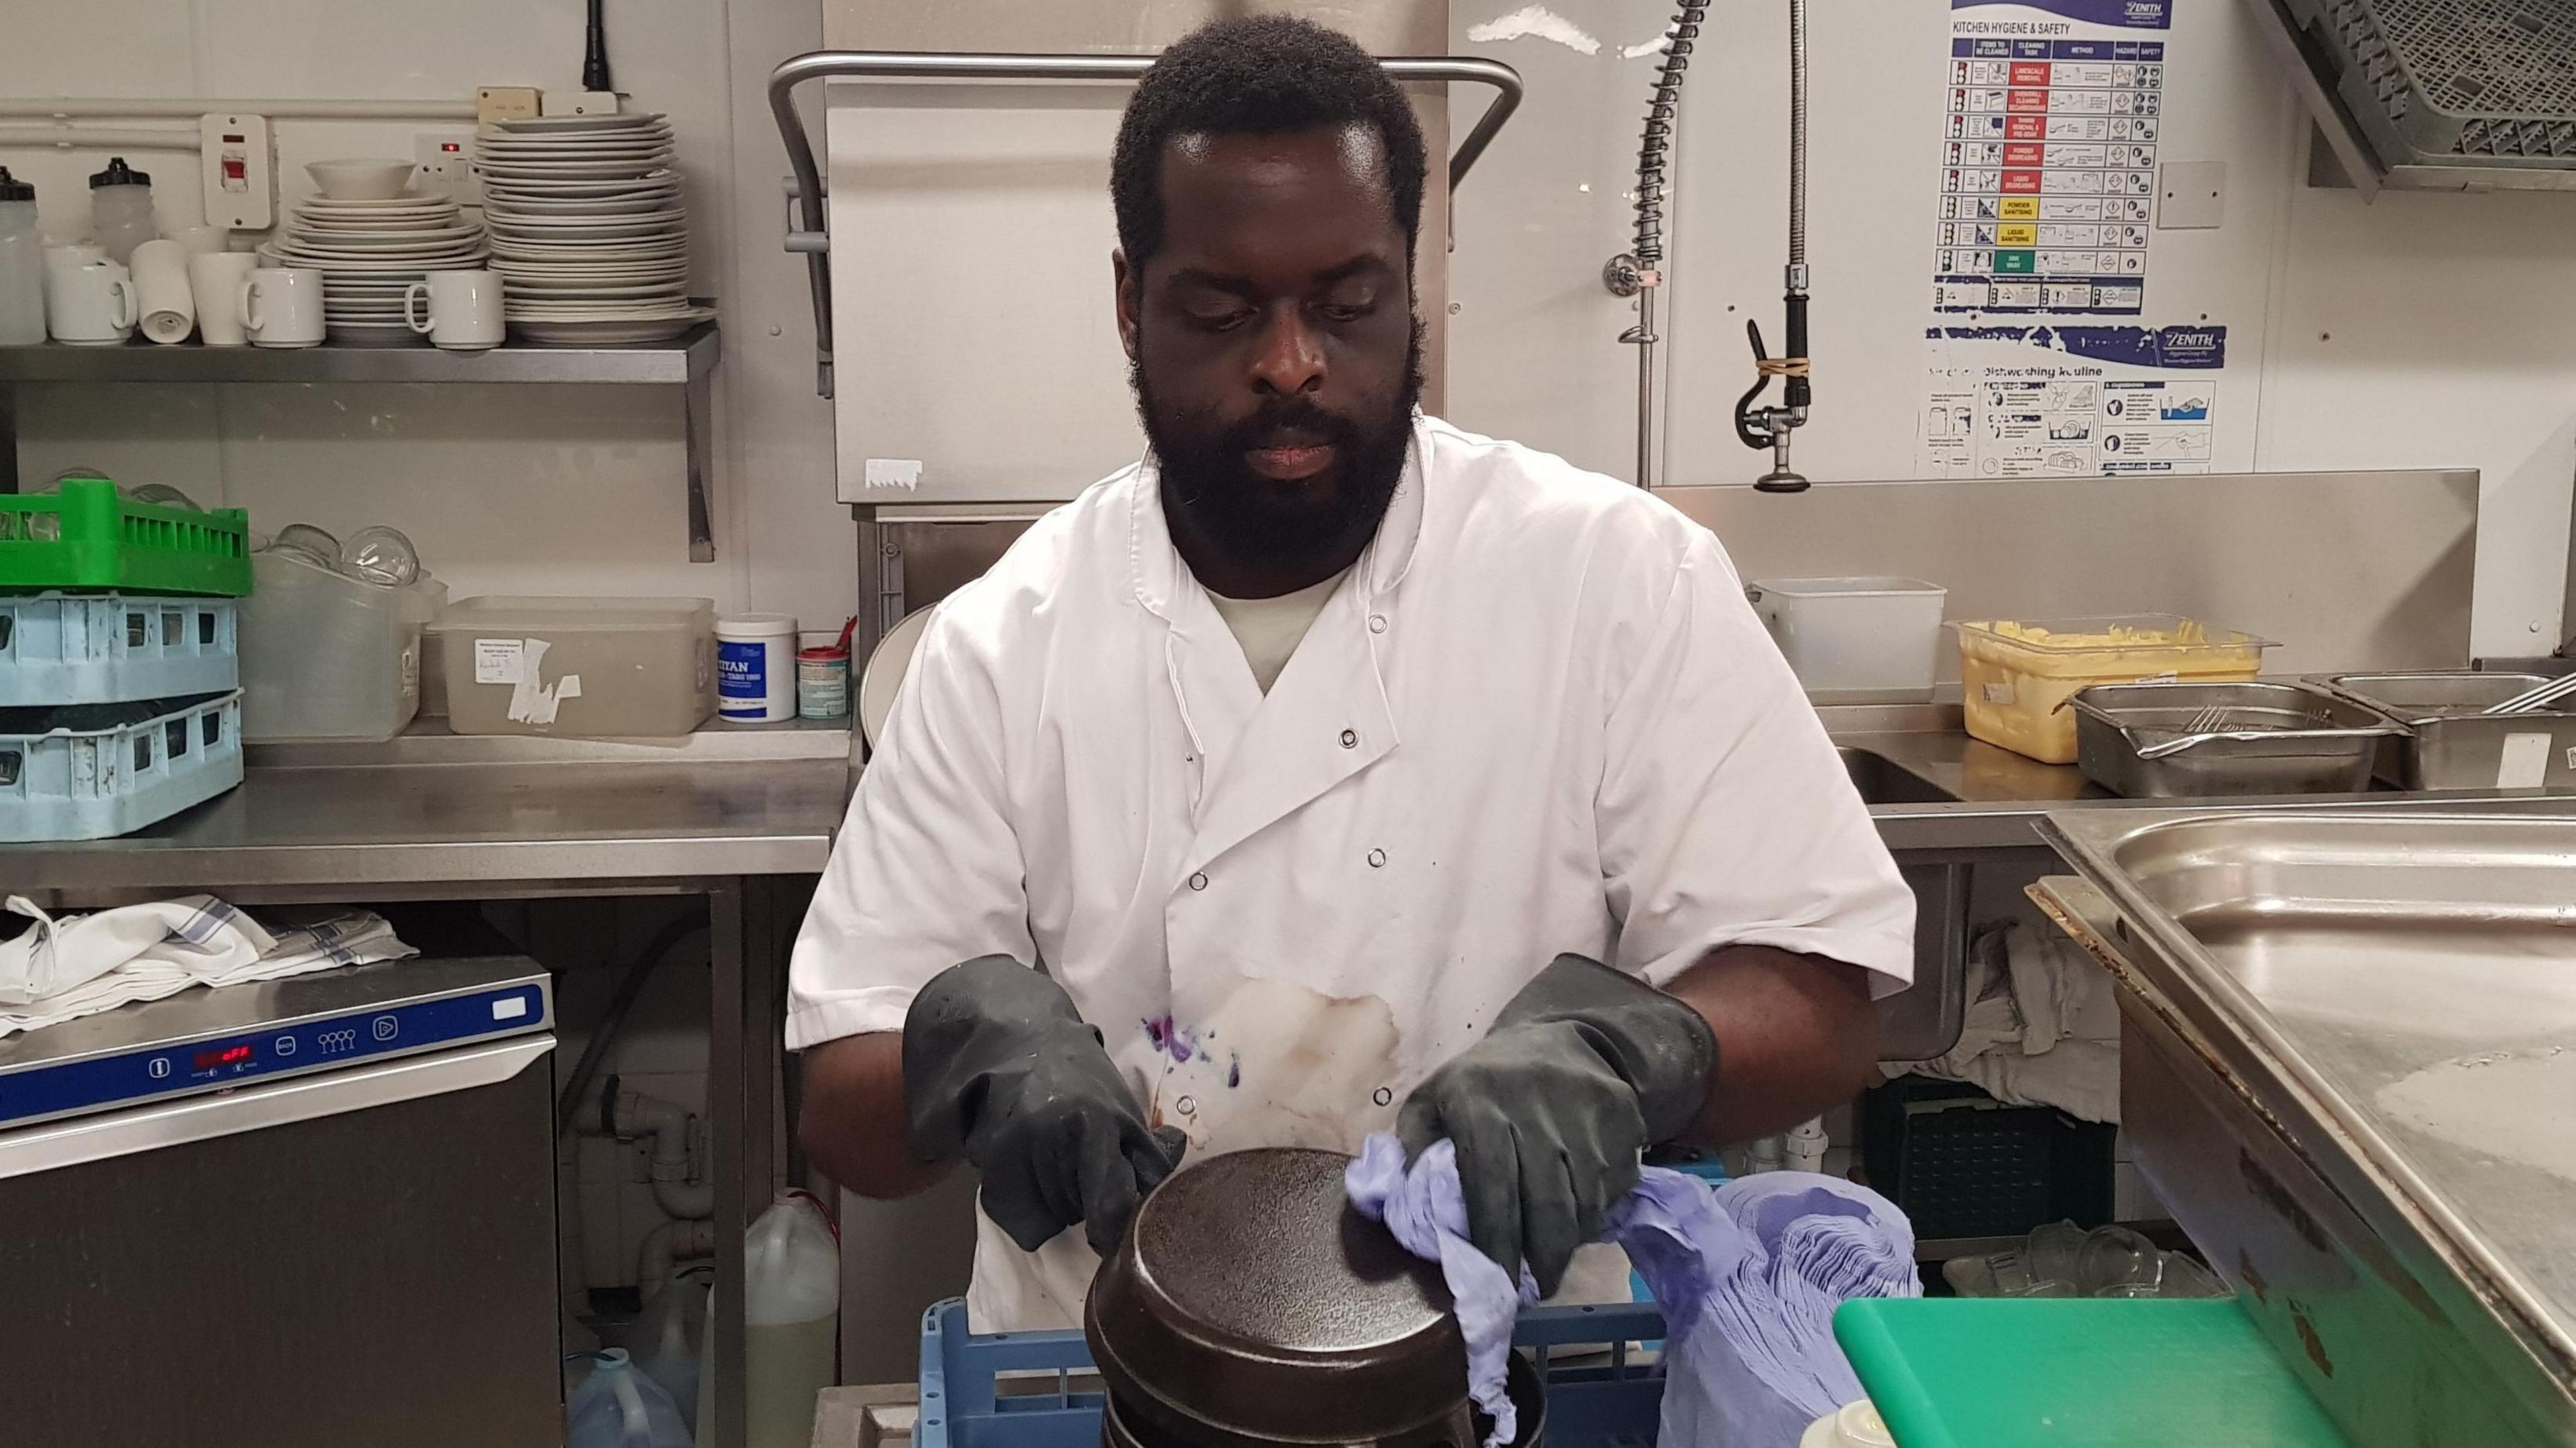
(1426, 1210)
(1748, 1275)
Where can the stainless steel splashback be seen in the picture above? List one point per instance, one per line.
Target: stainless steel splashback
(2368, 570)
(971, 233)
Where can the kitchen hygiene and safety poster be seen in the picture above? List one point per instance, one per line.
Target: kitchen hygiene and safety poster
(2048, 162)
(2069, 401)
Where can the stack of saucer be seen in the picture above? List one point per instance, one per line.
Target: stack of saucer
(588, 228)
(368, 252)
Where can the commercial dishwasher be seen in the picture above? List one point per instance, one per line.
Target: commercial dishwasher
(309, 1212)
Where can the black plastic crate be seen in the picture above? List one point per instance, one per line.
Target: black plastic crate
(1963, 1164)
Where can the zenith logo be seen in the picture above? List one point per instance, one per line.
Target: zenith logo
(2147, 9)
(2191, 339)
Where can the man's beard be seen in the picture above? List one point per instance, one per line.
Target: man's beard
(1258, 519)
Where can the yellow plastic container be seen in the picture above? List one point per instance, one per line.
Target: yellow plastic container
(2015, 677)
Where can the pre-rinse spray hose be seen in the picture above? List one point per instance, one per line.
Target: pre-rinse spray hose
(1646, 260)
(1771, 427)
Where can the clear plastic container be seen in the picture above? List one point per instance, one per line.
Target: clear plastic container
(602, 668)
(1877, 635)
(327, 656)
(2016, 676)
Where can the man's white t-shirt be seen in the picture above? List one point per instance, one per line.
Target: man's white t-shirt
(1271, 628)
(1536, 717)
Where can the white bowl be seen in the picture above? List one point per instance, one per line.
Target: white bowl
(363, 179)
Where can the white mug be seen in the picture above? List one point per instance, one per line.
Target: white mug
(73, 254)
(464, 309)
(168, 310)
(282, 307)
(90, 304)
(215, 281)
(198, 240)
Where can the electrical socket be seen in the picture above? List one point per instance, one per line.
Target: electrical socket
(580, 103)
(445, 159)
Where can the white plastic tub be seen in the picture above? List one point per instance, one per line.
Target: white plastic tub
(604, 668)
(327, 656)
(1876, 635)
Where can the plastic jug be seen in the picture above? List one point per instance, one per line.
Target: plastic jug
(669, 1340)
(618, 1407)
(791, 1320)
(120, 210)
(22, 265)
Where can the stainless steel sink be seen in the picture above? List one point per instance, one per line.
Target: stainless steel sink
(1922, 1020)
(1882, 780)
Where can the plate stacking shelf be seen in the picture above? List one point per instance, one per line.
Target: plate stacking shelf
(686, 362)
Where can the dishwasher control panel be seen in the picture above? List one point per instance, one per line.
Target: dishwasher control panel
(180, 1064)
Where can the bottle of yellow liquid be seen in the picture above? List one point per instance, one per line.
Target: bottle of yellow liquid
(791, 1320)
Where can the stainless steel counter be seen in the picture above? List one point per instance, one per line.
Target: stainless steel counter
(1996, 798)
(432, 810)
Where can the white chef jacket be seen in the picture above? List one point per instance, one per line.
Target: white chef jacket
(1538, 717)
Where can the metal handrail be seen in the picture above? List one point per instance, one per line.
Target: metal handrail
(813, 236)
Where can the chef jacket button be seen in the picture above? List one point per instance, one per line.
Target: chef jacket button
(1186, 1106)
(1377, 859)
(1198, 881)
(1350, 739)
(1377, 623)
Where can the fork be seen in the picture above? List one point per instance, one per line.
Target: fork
(2210, 719)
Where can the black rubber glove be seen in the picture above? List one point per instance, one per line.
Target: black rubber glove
(998, 1068)
(1582, 1071)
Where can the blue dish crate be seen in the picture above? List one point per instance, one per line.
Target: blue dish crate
(1591, 1403)
(95, 770)
(114, 648)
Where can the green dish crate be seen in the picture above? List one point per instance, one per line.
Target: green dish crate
(91, 536)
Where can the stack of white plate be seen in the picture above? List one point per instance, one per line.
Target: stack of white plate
(368, 252)
(587, 228)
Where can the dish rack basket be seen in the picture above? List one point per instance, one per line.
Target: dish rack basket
(90, 536)
(111, 648)
(2456, 82)
(1035, 1389)
(96, 770)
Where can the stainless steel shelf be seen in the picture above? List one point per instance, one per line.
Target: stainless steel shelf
(687, 361)
(675, 363)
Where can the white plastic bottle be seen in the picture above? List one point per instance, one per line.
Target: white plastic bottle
(22, 265)
(791, 1320)
(120, 210)
(618, 1407)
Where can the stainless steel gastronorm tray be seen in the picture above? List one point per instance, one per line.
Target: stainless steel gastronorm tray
(2390, 999)
(2189, 740)
(2450, 745)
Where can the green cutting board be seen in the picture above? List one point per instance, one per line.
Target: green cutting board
(1957, 1372)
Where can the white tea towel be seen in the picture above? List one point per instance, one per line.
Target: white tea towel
(2042, 1028)
(192, 933)
(229, 948)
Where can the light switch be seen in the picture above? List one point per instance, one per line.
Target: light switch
(238, 171)
(2191, 195)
